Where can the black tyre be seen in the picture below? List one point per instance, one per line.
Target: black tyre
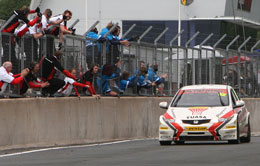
(236, 141)
(247, 139)
(179, 142)
(165, 142)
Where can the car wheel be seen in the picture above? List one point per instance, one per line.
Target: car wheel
(179, 142)
(165, 142)
(247, 139)
(236, 141)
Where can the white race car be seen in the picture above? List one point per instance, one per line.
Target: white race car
(205, 113)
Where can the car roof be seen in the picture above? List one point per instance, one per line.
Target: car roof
(206, 86)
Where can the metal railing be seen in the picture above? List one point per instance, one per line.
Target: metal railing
(185, 65)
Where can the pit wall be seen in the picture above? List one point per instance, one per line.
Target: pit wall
(44, 122)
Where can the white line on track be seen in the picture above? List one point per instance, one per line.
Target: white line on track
(69, 147)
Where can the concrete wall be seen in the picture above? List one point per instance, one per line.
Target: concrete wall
(45, 122)
(61, 121)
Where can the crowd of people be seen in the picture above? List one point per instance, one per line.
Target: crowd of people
(41, 75)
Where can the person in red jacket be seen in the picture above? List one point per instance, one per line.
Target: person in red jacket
(49, 66)
(21, 16)
(71, 84)
(6, 77)
(30, 81)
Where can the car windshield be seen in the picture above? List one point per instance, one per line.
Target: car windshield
(201, 97)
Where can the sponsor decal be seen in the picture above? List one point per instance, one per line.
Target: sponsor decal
(198, 110)
(195, 128)
(199, 91)
(163, 128)
(196, 117)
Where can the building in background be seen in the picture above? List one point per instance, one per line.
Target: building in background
(207, 16)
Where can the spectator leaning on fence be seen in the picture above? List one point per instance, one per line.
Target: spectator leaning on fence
(61, 29)
(143, 81)
(126, 81)
(153, 77)
(49, 66)
(21, 16)
(103, 81)
(30, 80)
(6, 77)
(71, 84)
(88, 78)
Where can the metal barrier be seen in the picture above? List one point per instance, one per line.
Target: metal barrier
(186, 65)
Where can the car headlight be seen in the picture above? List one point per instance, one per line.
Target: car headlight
(169, 120)
(225, 119)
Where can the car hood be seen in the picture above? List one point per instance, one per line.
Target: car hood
(187, 113)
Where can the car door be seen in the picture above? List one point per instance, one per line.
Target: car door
(241, 111)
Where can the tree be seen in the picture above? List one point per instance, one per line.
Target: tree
(8, 6)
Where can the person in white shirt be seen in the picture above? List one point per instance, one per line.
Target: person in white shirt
(6, 77)
(71, 84)
(61, 29)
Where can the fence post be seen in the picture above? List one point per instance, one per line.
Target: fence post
(257, 64)
(227, 63)
(128, 31)
(186, 57)
(178, 62)
(239, 64)
(90, 28)
(200, 56)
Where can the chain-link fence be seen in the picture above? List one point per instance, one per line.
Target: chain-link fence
(186, 65)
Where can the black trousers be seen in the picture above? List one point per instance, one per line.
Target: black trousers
(55, 85)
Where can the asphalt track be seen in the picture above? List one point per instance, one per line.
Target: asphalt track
(142, 152)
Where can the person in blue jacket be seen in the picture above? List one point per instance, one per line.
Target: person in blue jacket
(143, 81)
(126, 81)
(153, 76)
(93, 47)
(103, 80)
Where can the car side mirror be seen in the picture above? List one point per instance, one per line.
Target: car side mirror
(239, 103)
(163, 105)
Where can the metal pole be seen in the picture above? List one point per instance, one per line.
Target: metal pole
(145, 32)
(175, 37)
(232, 42)
(239, 64)
(128, 31)
(205, 40)
(220, 40)
(186, 58)
(7, 22)
(213, 80)
(227, 49)
(244, 43)
(190, 40)
(94, 25)
(160, 36)
(200, 57)
(256, 44)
